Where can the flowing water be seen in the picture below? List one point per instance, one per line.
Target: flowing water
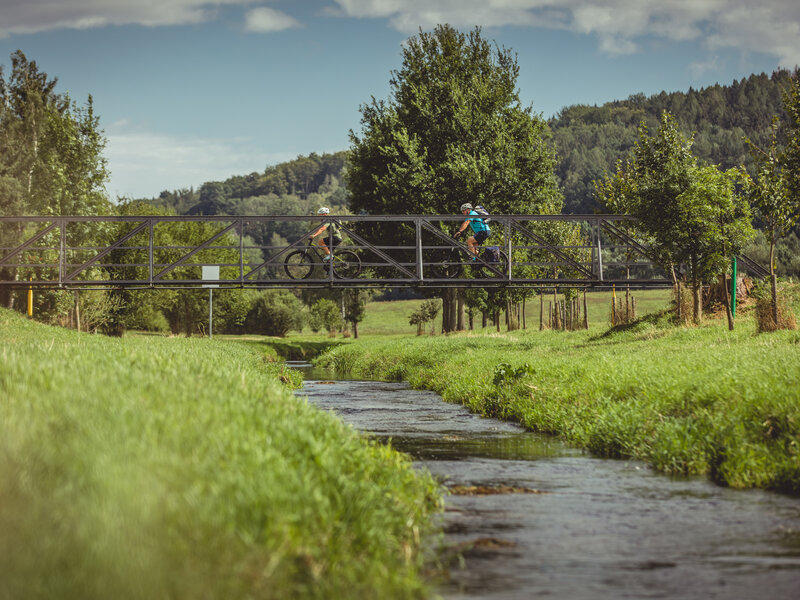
(567, 525)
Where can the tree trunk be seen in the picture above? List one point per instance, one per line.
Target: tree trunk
(541, 312)
(460, 310)
(355, 329)
(77, 311)
(585, 312)
(453, 310)
(445, 310)
(724, 283)
(697, 293)
(773, 281)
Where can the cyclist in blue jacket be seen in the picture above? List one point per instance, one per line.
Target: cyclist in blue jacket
(480, 230)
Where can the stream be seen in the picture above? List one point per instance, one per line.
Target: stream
(532, 517)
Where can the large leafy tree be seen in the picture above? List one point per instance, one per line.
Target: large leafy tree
(452, 131)
(51, 159)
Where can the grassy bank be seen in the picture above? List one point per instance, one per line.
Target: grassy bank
(153, 467)
(687, 400)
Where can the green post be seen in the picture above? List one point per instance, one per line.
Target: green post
(733, 287)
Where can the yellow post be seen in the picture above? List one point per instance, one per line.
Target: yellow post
(30, 299)
(613, 305)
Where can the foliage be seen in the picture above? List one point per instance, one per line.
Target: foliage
(452, 131)
(180, 468)
(691, 213)
(274, 312)
(424, 314)
(504, 373)
(51, 160)
(355, 306)
(325, 314)
(776, 192)
(591, 139)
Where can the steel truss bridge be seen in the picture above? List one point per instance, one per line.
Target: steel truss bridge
(146, 252)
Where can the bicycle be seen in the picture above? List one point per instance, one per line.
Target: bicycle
(492, 263)
(299, 264)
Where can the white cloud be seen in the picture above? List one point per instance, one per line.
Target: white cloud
(33, 16)
(769, 26)
(266, 20)
(144, 163)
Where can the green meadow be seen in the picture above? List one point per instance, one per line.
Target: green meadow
(151, 467)
(689, 400)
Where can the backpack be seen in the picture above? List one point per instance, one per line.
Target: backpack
(491, 254)
(483, 213)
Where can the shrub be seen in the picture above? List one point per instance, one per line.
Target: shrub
(325, 314)
(274, 312)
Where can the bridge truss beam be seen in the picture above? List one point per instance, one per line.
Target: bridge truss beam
(80, 252)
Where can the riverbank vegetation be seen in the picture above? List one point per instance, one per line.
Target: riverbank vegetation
(699, 400)
(152, 467)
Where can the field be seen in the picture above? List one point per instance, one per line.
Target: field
(151, 467)
(391, 318)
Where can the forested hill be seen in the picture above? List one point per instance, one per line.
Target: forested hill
(292, 188)
(589, 140)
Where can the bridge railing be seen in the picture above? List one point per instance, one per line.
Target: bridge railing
(387, 250)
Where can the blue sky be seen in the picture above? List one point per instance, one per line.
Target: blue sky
(190, 91)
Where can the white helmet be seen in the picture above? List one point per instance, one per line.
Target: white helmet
(466, 206)
(324, 210)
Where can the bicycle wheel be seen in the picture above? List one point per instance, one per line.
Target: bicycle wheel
(346, 264)
(498, 262)
(447, 264)
(299, 264)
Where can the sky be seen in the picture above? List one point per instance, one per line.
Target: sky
(190, 91)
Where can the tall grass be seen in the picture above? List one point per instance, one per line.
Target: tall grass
(180, 468)
(698, 400)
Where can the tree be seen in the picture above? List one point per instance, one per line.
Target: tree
(355, 307)
(775, 192)
(690, 213)
(719, 220)
(325, 314)
(424, 314)
(51, 160)
(452, 131)
(274, 312)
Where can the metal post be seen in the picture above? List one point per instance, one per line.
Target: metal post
(210, 312)
(330, 250)
(62, 253)
(418, 227)
(241, 253)
(733, 287)
(150, 256)
(508, 246)
(30, 298)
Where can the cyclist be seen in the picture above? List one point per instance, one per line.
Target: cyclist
(334, 232)
(480, 230)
